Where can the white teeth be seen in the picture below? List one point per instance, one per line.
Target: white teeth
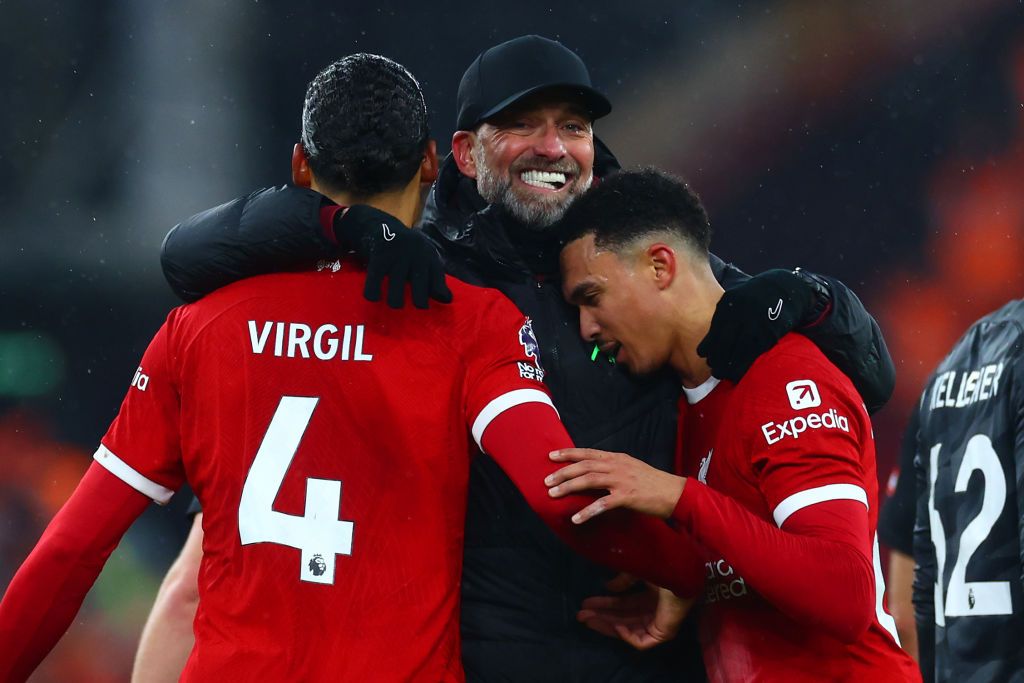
(545, 179)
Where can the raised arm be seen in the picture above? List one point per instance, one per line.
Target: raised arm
(756, 312)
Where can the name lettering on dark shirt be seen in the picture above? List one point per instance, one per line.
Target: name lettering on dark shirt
(973, 386)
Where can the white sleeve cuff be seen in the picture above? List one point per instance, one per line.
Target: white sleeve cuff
(798, 501)
(123, 471)
(503, 403)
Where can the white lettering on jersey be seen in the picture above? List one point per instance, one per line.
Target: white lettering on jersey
(279, 340)
(777, 431)
(530, 371)
(974, 386)
(346, 341)
(259, 341)
(140, 381)
(722, 582)
(359, 345)
(296, 339)
(331, 349)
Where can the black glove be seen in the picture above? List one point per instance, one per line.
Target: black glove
(391, 250)
(752, 317)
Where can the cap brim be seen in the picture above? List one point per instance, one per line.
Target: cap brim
(596, 103)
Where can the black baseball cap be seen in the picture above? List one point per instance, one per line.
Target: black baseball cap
(506, 73)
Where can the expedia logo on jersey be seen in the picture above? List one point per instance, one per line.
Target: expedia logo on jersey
(775, 432)
(723, 583)
(803, 393)
(532, 350)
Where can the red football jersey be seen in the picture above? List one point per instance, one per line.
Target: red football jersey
(328, 440)
(793, 433)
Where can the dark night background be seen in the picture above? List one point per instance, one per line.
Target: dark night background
(879, 142)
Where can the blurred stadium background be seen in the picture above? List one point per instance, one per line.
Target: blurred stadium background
(880, 142)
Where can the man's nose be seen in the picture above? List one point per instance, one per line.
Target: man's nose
(549, 143)
(589, 329)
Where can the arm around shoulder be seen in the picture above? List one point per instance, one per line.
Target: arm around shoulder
(853, 341)
(756, 312)
(269, 230)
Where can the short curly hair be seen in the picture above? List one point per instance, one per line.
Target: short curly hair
(364, 125)
(632, 204)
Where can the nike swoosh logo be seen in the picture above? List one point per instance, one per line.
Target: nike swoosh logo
(773, 313)
(388, 236)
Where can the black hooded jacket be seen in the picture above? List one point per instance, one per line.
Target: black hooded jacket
(521, 586)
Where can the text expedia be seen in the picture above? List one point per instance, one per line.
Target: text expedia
(777, 431)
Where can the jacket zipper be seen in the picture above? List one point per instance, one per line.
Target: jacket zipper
(544, 298)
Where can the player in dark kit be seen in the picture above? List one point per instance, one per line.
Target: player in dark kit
(969, 531)
(329, 441)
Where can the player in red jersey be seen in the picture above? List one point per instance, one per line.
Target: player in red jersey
(328, 440)
(780, 489)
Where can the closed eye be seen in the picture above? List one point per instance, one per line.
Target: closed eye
(585, 294)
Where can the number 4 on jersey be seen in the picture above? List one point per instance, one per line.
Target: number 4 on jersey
(319, 533)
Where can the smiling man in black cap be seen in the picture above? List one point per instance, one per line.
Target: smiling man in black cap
(526, 109)
(525, 149)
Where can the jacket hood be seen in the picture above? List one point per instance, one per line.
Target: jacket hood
(474, 232)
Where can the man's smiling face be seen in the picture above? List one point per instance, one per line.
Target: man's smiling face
(534, 159)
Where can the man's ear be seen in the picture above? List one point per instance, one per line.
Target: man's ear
(301, 175)
(462, 150)
(429, 165)
(663, 261)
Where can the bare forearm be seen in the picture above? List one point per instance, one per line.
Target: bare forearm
(900, 591)
(167, 637)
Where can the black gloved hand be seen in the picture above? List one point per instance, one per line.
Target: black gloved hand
(391, 250)
(752, 317)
